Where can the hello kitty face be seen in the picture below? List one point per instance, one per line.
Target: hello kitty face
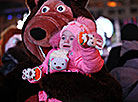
(59, 63)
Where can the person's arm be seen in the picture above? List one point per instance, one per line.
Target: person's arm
(90, 60)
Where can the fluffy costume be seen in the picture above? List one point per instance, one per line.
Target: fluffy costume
(79, 60)
(101, 87)
(42, 25)
(67, 86)
(79, 57)
(81, 95)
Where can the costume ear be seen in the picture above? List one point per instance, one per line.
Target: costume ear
(83, 3)
(31, 4)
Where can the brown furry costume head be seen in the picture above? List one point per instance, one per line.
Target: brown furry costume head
(46, 18)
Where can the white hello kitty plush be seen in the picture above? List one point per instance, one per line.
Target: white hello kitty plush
(58, 60)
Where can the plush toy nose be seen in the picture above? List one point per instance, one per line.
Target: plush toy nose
(38, 33)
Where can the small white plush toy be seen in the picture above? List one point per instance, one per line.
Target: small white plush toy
(33, 74)
(94, 42)
(28, 74)
(58, 60)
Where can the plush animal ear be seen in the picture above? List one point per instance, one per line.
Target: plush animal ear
(31, 4)
(83, 3)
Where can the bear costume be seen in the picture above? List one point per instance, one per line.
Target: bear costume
(46, 18)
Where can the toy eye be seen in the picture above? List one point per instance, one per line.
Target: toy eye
(62, 63)
(54, 63)
(45, 9)
(61, 8)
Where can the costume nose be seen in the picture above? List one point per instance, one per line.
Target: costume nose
(38, 33)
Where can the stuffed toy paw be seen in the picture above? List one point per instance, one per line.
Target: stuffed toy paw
(32, 74)
(94, 42)
(89, 40)
(28, 74)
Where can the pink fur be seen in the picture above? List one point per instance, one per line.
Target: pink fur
(88, 23)
(54, 41)
(76, 46)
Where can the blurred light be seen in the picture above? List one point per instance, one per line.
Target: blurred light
(9, 17)
(20, 23)
(111, 4)
(16, 10)
(19, 16)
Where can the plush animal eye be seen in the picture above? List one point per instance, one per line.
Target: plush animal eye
(54, 63)
(61, 8)
(45, 9)
(62, 63)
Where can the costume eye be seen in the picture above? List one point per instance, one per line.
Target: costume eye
(45, 9)
(61, 8)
